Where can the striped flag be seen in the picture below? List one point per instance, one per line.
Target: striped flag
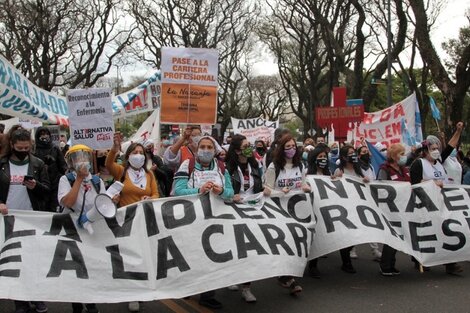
(407, 139)
(434, 110)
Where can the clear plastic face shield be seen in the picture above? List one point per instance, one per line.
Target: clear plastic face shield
(78, 159)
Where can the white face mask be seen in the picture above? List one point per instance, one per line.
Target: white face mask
(136, 160)
(435, 154)
(402, 160)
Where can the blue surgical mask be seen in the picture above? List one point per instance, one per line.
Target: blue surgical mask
(334, 151)
(305, 155)
(205, 156)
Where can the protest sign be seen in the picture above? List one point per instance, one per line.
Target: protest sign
(189, 86)
(160, 249)
(91, 117)
(255, 129)
(422, 220)
(21, 98)
(385, 126)
(150, 129)
(28, 123)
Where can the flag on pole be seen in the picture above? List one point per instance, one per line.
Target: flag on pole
(377, 159)
(407, 139)
(434, 110)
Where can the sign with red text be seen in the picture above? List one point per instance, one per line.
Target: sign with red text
(385, 126)
(91, 117)
(189, 86)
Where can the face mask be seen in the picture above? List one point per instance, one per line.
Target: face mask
(247, 152)
(290, 153)
(45, 139)
(166, 142)
(365, 158)
(321, 163)
(334, 151)
(305, 155)
(453, 153)
(260, 150)
(205, 156)
(136, 160)
(352, 158)
(435, 154)
(402, 160)
(196, 139)
(21, 155)
(384, 153)
(80, 165)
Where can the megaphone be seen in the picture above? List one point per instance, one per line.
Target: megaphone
(104, 207)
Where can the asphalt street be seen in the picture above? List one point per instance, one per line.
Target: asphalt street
(335, 291)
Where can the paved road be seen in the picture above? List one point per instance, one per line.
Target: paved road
(335, 291)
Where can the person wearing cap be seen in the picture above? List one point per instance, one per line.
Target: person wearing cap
(429, 167)
(204, 174)
(184, 148)
(77, 192)
(23, 184)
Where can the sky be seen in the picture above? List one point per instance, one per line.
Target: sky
(447, 26)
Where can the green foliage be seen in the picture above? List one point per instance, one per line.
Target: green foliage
(294, 125)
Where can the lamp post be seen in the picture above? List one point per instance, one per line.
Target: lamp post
(389, 57)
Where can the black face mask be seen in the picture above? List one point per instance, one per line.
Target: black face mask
(21, 155)
(352, 158)
(321, 163)
(260, 150)
(45, 139)
(365, 158)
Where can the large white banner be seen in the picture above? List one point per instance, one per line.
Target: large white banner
(167, 248)
(91, 117)
(255, 128)
(391, 125)
(423, 220)
(21, 98)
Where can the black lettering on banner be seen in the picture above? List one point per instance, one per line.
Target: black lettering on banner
(12, 258)
(126, 228)
(65, 222)
(168, 213)
(291, 207)
(167, 245)
(389, 200)
(299, 239)
(336, 186)
(358, 186)
(117, 265)
(416, 239)
(206, 245)
(452, 233)
(277, 209)
(207, 208)
(241, 211)
(425, 201)
(59, 262)
(278, 240)
(241, 232)
(391, 226)
(150, 219)
(448, 199)
(361, 211)
(9, 222)
(329, 220)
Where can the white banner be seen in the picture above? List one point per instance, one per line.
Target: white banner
(385, 126)
(430, 223)
(21, 98)
(150, 129)
(167, 248)
(255, 129)
(91, 117)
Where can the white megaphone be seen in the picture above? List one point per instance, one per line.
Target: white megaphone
(104, 207)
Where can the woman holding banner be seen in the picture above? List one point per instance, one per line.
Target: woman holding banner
(286, 174)
(246, 175)
(204, 174)
(429, 167)
(394, 168)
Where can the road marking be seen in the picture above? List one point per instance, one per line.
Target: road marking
(197, 307)
(175, 307)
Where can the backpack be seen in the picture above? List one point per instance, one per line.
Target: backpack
(95, 181)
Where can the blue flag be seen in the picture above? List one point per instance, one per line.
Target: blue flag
(377, 158)
(434, 110)
(406, 137)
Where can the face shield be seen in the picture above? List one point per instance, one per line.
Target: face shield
(77, 159)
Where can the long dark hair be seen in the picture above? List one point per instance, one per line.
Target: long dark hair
(343, 156)
(128, 153)
(279, 158)
(232, 161)
(312, 160)
(15, 134)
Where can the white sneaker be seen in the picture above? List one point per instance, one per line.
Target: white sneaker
(134, 306)
(376, 253)
(247, 295)
(233, 288)
(352, 253)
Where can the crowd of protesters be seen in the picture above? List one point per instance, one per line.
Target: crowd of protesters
(41, 176)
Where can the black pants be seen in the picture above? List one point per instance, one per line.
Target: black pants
(345, 257)
(90, 307)
(207, 295)
(388, 259)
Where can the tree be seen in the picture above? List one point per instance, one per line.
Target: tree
(267, 93)
(454, 91)
(59, 43)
